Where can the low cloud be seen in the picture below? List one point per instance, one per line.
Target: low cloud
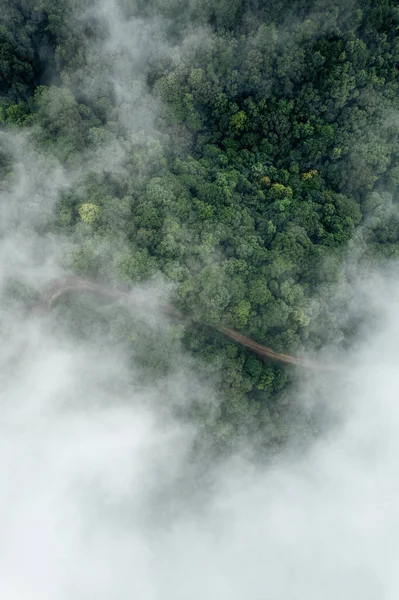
(102, 496)
(107, 491)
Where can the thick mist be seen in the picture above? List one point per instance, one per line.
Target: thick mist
(102, 492)
(93, 502)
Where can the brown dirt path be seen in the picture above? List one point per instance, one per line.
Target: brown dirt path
(66, 285)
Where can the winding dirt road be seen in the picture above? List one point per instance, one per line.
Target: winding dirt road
(66, 285)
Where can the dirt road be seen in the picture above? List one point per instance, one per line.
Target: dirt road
(66, 285)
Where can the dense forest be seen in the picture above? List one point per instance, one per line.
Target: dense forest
(242, 155)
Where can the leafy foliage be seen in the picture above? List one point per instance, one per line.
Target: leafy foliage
(283, 148)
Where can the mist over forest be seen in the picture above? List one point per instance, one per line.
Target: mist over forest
(229, 165)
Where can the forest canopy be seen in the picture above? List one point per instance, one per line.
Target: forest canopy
(239, 150)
